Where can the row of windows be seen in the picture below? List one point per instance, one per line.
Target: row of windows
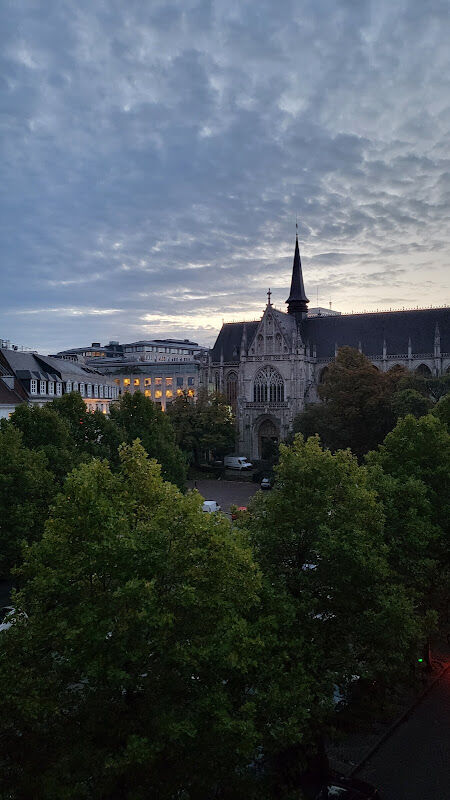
(268, 386)
(169, 381)
(85, 389)
(154, 349)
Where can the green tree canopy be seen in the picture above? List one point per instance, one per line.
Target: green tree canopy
(26, 489)
(356, 409)
(414, 484)
(442, 410)
(318, 536)
(139, 418)
(127, 672)
(410, 401)
(204, 426)
(47, 431)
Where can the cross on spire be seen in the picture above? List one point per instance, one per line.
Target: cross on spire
(269, 295)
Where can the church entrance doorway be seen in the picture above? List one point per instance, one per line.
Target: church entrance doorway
(267, 440)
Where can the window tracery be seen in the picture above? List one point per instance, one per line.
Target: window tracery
(268, 386)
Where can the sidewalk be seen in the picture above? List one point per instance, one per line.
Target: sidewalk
(348, 754)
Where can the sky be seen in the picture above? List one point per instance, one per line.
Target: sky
(155, 156)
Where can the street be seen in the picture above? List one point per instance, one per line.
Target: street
(226, 493)
(414, 762)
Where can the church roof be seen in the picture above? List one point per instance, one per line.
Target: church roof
(370, 330)
(229, 340)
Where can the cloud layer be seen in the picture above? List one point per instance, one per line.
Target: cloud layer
(156, 155)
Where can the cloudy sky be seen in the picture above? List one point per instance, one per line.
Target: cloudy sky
(155, 155)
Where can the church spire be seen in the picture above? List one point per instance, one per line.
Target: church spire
(297, 300)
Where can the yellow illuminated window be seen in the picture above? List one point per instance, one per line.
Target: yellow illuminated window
(147, 381)
(148, 393)
(169, 393)
(126, 381)
(136, 382)
(169, 381)
(191, 392)
(158, 393)
(158, 381)
(179, 391)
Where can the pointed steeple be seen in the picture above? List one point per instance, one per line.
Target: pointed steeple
(297, 300)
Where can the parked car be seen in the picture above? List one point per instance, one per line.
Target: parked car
(210, 506)
(238, 512)
(237, 462)
(266, 483)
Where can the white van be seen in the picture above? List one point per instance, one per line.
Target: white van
(210, 506)
(236, 462)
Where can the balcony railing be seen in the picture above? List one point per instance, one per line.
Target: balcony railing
(267, 404)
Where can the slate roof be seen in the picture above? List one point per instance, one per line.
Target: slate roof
(229, 340)
(371, 329)
(11, 397)
(33, 365)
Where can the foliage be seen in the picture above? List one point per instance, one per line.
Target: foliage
(126, 671)
(433, 387)
(318, 537)
(414, 485)
(48, 432)
(26, 489)
(442, 410)
(410, 401)
(93, 434)
(356, 410)
(203, 427)
(139, 418)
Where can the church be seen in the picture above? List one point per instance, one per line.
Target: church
(270, 368)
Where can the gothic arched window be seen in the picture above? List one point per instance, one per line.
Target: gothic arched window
(231, 388)
(268, 386)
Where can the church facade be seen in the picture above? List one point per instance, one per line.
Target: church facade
(270, 368)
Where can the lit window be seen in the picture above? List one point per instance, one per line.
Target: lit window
(179, 391)
(42, 387)
(158, 393)
(126, 381)
(147, 381)
(191, 392)
(158, 381)
(169, 381)
(148, 392)
(33, 387)
(169, 393)
(136, 382)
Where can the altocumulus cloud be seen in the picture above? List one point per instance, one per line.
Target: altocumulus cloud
(155, 156)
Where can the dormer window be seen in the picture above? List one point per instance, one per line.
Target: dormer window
(89, 390)
(42, 387)
(58, 388)
(82, 389)
(33, 387)
(51, 387)
(68, 386)
(75, 386)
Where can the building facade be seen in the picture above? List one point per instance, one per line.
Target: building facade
(37, 379)
(270, 368)
(161, 381)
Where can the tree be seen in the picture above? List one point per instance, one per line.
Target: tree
(356, 410)
(48, 432)
(410, 401)
(319, 540)
(92, 433)
(203, 426)
(411, 472)
(139, 418)
(26, 489)
(442, 410)
(126, 671)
